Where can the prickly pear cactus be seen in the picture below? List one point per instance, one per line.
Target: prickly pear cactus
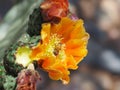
(15, 55)
(16, 24)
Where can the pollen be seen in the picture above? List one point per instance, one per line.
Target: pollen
(54, 47)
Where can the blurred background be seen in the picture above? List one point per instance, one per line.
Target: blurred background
(100, 70)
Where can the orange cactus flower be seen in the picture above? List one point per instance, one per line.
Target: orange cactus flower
(62, 47)
(54, 9)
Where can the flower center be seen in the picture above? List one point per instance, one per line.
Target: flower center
(55, 48)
